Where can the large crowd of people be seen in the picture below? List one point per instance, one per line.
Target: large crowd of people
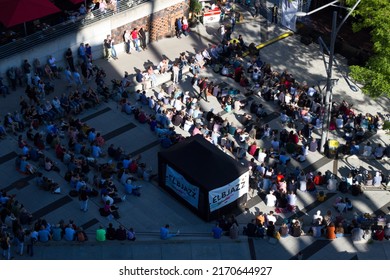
(173, 114)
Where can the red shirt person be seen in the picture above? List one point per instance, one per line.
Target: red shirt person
(135, 39)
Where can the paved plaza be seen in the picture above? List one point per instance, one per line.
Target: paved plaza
(146, 214)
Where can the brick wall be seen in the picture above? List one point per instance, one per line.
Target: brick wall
(159, 25)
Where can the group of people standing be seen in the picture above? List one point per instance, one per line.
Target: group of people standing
(182, 27)
(134, 39)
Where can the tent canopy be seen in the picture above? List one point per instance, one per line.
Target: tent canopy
(77, 1)
(202, 163)
(14, 12)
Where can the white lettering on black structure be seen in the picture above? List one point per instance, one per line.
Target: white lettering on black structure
(181, 186)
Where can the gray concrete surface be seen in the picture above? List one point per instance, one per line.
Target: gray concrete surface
(156, 208)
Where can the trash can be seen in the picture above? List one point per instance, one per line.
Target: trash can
(333, 146)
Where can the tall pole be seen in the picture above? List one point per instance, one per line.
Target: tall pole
(328, 96)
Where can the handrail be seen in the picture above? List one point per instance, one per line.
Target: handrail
(63, 28)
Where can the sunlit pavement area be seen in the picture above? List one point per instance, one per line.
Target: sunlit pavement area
(146, 214)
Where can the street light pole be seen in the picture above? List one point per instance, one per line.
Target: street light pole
(329, 87)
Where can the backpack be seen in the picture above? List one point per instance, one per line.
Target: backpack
(80, 236)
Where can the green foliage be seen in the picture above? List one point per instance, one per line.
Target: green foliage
(386, 125)
(375, 76)
(195, 6)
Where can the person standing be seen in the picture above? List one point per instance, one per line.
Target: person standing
(195, 80)
(30, 240)
(107, 49)
(112, 47)
(5, 243)
(88, 52)
(3, 88)
(222, 31)
(203, 85)
(275, 14)
(184, 27)
(228, 34)
(175, 70)
(179, 28)
(69, 59)
(142, 37)
(19, 75)
(20, 238)
(11, 74)
(232, 21)
(113, 50)
(134, 38)
(126, 38)
(82, 53)
(83, 197)
(27, 71)
(84, 70)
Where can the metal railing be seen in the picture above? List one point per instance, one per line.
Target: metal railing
(59, 30)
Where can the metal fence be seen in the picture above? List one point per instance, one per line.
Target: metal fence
(266, 7)
(71, 25)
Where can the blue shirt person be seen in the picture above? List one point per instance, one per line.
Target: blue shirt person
(216, 231)
(164, 233)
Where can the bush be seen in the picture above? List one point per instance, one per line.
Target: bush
(386, 125)
(195, 6)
